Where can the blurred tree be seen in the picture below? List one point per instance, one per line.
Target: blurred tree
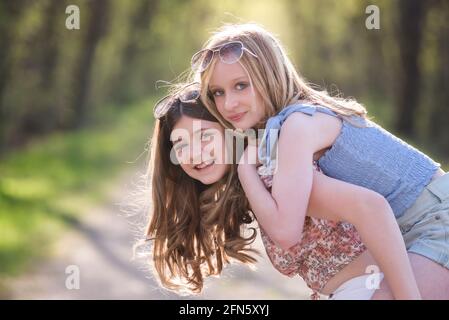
(140, 21)
(49, 43)
(94, 31)
(68, 74)
(10, 12)
(439, 128)
(42, 117)
(410, 30)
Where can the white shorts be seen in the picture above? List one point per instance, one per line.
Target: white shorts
(358, 288)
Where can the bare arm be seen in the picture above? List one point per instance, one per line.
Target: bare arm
(298, 191)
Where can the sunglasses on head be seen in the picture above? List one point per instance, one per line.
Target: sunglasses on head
(187, 94)
(228, 53)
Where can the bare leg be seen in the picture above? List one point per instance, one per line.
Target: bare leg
(432, 280)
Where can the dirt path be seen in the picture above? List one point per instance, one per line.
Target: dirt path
(100, 247)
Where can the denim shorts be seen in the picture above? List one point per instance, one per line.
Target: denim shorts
(425, 225)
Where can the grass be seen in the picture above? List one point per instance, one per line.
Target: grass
(47, 185)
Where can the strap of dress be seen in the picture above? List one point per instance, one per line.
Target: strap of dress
(268, 143)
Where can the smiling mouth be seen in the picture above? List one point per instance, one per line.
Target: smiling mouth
(237, 117)
(204, 165)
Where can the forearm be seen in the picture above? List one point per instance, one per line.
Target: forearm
(379, 231)
(266, 209)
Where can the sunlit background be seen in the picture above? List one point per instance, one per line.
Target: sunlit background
(76, 113)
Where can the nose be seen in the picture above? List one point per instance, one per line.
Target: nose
(231, 102)
(196, 153)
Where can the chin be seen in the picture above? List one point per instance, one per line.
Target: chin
(243, 125)
(207, 181)
(211, 178)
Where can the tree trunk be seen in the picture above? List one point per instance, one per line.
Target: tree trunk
(411, 16)
(140, 21)
(96, 25)
(439, 128)
(10, 12)
(50, 52)
(41, 112)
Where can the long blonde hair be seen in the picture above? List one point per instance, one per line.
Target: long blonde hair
(195, 229)
(272, 74)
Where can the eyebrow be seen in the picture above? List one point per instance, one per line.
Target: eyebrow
(233, 80)
(240, 78)
(180, 139)
(202, 129)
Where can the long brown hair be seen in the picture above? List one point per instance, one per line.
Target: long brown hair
(195, 229)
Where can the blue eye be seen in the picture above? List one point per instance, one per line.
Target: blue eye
(241, 85)
(207, 134)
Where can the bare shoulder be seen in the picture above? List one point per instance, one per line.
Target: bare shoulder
(321, 130)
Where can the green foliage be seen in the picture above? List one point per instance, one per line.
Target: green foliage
(50, 172)
(45, 187)
(149, 40)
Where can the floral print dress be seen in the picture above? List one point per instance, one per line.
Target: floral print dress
(324, 249)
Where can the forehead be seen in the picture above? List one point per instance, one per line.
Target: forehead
(191, 124)
(223, 72)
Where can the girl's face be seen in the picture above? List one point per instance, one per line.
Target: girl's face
(199, 147)
(236, 100)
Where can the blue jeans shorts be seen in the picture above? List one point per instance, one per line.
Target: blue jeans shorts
(425, 225)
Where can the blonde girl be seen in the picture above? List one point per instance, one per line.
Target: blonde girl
(247, 81)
